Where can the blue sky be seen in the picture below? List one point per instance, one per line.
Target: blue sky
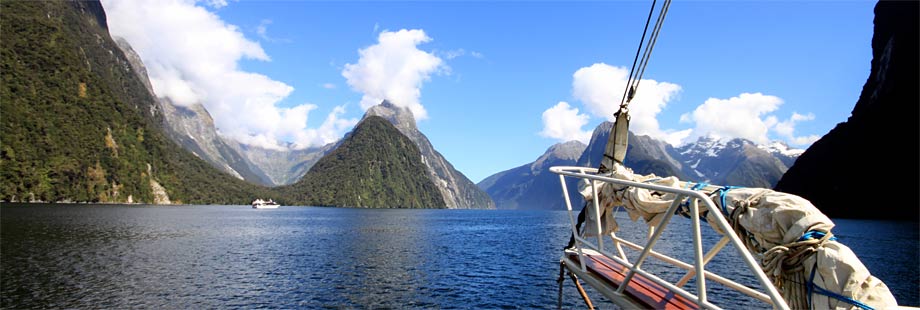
(487, 74)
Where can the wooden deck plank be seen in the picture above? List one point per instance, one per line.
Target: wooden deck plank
(640, 288)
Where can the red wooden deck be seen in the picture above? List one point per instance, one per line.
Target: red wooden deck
(640, 288)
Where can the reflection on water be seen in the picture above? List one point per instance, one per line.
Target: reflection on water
(304, 257)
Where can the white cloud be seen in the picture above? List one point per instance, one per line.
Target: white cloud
(451, 54)
(786, 129)
(216, 3)
(192, 57)
(262, 28)
(262, 31)
(600, 87)
(564, 123)
(394, 69)
(737, 117)
(328, 86)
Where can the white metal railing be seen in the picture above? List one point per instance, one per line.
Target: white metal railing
(697, 269)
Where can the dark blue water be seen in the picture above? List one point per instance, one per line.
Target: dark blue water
(305, 257)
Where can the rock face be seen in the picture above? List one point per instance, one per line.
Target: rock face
(193, 128)
(376, 166)
(80, 126)
(834, 171)
(456, 189)
(533, 186)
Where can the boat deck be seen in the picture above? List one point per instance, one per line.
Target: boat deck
(607, 275)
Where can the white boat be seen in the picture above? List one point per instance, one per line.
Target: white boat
(264, 204)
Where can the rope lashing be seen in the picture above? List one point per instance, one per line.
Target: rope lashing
(815, 234)
(722, 193)
(814, 288)
(784, 265)
(684, 209)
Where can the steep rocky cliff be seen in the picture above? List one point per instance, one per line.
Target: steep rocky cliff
(855, 169)
(193, 128)
(458, 191)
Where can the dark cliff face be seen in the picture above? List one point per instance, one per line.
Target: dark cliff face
(845, 172)
(375, 167)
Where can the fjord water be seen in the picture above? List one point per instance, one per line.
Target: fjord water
(306, 257)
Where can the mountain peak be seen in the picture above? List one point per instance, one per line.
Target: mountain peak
(781, 148)
(570, 151)
(401, 117)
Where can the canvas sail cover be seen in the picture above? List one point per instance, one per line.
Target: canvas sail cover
(790, 236)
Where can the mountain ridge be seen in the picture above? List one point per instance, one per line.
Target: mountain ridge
(532, 186)
(737, 162)
(376, 166)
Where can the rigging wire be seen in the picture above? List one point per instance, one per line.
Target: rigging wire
(636, 73)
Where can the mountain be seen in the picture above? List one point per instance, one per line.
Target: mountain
(782, 151)
(79, 125)
(533, 186)
(645, 155)
(879, 141)
(734, 162)
(456, 189)
(737, 162)
(283, 167)
(193, 128)
(376, 166)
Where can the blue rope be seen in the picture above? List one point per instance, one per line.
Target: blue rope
(699, 186)
(684, 208)
(722, 192)
(812, 288)
(814, 234)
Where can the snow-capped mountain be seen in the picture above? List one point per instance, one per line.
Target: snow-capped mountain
(735, 161)
(782, 151)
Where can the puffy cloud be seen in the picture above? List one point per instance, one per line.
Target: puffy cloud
(192, 57)
(747, 116)
(600, 87)
(394, 69)
(786, 129)
(743, 116)
(564, 123)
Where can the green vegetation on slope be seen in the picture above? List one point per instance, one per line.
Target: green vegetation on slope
(375, 167)
(78, 125)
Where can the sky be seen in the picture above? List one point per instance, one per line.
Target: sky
(494, 84)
